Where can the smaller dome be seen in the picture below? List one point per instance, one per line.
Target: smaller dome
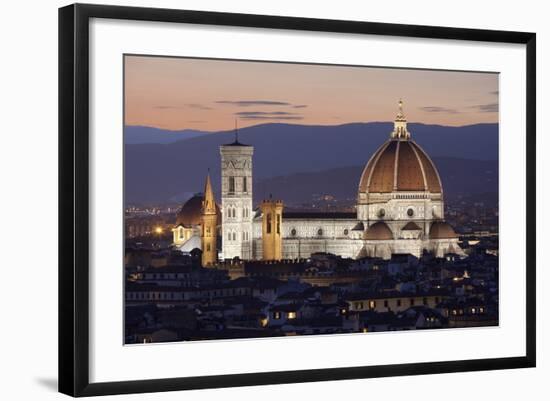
(411, 225)
(190, 213)
(378, 232)
(442, 230)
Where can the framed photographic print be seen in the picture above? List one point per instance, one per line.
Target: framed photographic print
(249, 199)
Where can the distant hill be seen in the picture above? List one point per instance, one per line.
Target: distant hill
(136, 134)
(459, 177)
(168, 172)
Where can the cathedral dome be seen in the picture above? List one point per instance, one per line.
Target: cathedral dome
(190, 213)
(442, 230)
(378, 232)
(400, 165)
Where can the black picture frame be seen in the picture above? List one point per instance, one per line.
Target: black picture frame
(74, 198)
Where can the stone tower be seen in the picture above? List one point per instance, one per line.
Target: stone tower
(236, 169)
(208, 225)
(272, 242)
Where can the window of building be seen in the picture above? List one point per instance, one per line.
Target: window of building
(291, 315)
(425, 301)
(231, 184)
(320, 232)
(372, 304)
(245, 185)
(346, 231)
(229, 236)
(268, 228)
(234, 236)
(293, 232)
(411, 301)
(385, 303)
(398, 302)
(278, 224)
(207, 247)
(276, 315)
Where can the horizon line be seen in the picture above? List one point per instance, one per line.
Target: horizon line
(305, 125)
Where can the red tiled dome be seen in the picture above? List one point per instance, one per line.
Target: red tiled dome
(400, 165)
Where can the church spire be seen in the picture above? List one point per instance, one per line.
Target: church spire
(400, 125)
(209, 202)
(209, 223)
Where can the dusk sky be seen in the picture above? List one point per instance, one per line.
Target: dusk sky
(180, 93)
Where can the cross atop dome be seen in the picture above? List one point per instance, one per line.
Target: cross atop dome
(400, 125)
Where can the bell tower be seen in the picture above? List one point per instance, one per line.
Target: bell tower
(208, 225)
(237, 212)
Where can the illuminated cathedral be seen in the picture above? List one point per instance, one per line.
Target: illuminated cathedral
(399, 210)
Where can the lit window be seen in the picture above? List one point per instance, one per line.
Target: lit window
(276, 315)
(372, 304)
(291, 315)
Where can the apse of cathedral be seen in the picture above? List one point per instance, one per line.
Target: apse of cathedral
(400, 209)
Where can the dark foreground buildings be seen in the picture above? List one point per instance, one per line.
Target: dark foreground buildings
(170, 297)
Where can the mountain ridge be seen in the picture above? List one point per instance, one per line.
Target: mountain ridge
(160, 172)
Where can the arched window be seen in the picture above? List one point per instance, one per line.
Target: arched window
(231, 185)
(234, 236)
(268, 228)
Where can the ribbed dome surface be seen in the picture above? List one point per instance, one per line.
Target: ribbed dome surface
(400, 165)
(378, 231)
